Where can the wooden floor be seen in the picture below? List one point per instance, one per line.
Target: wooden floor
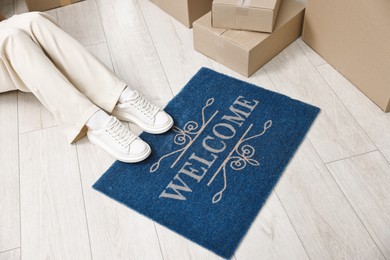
(333, 201)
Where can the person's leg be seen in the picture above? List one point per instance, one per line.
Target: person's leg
(83, 70)
(25, 61)
(90, 76)
(33, 71)
(7, 83)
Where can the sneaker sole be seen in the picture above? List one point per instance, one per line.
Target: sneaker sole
(119, 157)
(144, 127)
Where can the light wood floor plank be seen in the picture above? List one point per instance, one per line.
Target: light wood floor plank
(116, 231)
(174, 45)
(259, 78)
(132, 51)
(9, 172)
(271, 236)
(29, 112)
(53, 13)
(313, 56)
(11, 255)
(365, 181)
(32, 114)
(174, 246)
(386, 152)
(82, 21)
(323, 218)
(370, 117)
(101, 52)
(335, 135)
(53, 221)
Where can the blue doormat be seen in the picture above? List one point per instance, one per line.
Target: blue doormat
(208, 177)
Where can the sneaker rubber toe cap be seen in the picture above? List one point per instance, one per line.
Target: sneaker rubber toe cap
(139, 147)
(162, 119)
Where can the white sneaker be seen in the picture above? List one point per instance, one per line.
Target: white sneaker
(119, 142)
(141, 112)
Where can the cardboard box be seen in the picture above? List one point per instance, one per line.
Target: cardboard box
(252, 15)
(185, 11)
(43, 5)
(244, 51)
(354, 37)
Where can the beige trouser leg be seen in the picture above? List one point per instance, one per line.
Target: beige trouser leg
(37, 56)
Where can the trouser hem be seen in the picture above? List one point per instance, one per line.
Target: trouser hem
(79, 129)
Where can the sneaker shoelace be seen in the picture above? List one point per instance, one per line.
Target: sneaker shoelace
(119, 132)
(144, 106)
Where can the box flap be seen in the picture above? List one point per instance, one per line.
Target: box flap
(248, 40)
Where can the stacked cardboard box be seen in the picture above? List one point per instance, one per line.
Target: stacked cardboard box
(185, 11)
(43, 5)
(354, 37)
(247, 51)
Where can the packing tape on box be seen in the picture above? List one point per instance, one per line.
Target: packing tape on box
(65, 2)
(247, 3)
